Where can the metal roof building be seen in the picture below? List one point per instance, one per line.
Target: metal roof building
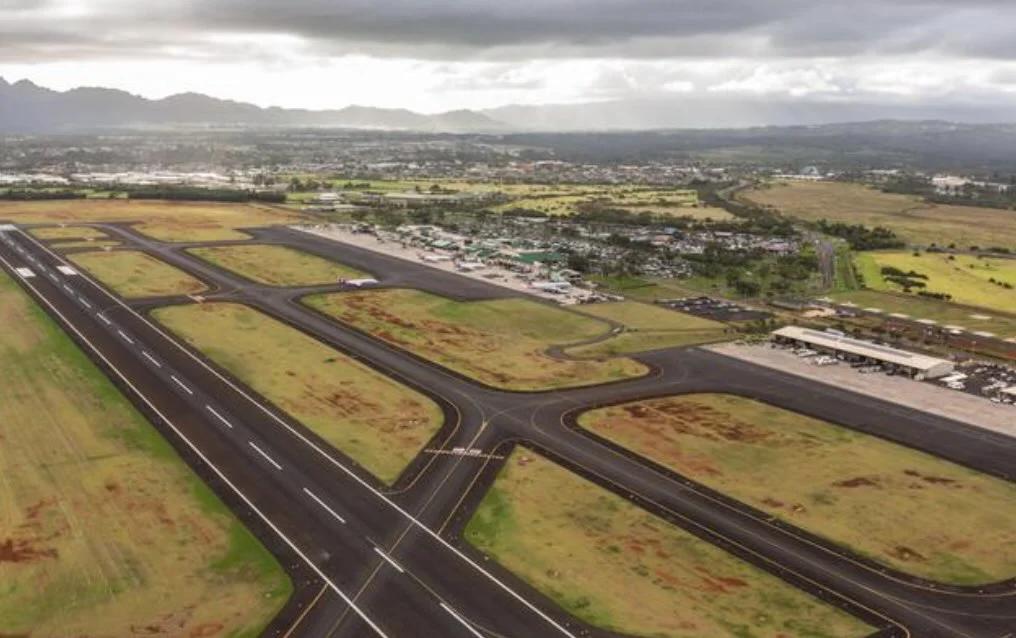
(912, 363)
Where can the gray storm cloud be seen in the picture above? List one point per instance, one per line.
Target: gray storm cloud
(465, 29)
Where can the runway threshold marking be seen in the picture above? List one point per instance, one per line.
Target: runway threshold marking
(462, 621)
(152, 359)
(350, 473)
(25, 273)
(324, 505)
(125, 337)
(67, 270)
(389, 560)
(262, 453)
(219, 417)
(181, 384)
(275, 528)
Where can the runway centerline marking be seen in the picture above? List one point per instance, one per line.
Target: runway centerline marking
(462, 621)
(84, 302)
(68, 289)
(219, 417)
(105, 320)
(265, 455)
(152, 359)
(181, 384)
(318, 449)
(324, 505)
(389, 560)
(264, 517)
(125, 337)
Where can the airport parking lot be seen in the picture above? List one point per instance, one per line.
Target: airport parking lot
(927, 396)
(716, 309)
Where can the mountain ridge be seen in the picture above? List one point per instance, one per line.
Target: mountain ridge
(26, 107)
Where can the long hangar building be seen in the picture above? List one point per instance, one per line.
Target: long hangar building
(914, 365)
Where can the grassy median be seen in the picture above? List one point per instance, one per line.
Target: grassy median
(648, 327)
(501, 343)
(276, 265)
(94, 245)
(909, 510)
(617, 567)
(68, 232)
(133, 274)
(166, 221)
(103, 529)
(381, 424)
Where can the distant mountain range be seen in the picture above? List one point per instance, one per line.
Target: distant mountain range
(28, 108)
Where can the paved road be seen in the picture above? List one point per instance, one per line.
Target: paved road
(397, 554)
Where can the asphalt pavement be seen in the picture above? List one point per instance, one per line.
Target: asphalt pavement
(373, 559)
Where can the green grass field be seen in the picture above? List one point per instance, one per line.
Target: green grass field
(166, 221)
(617, 567)
(909, 216)
(946, 314)
(133, 274)
(501, 342)
(647, 328)
(376, 421)
(68, 232)
(103, 529)
(96, 245)
(276, 265)
(909, 510)
(965, 277)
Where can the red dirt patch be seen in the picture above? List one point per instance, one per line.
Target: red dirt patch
(934, 480)
(857, 482)
(23, 551)
(906, 554)
(206, 630)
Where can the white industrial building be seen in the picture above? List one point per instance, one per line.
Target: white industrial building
(912, 364)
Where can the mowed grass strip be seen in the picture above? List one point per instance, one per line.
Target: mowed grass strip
(943, 312)
(914, 512)
(617, 567)
(501, 343)
(376, 421)
(133, 274)
(912, 218)
(103, 529)
(967, 278)
(647, 327)
(68, 245)
(69, 232)
(276, 265)
(166, 221)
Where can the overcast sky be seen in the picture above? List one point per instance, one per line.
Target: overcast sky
(444, 54)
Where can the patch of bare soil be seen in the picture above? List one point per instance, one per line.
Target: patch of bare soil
(933, 480)
(906, 554)
(860, 481)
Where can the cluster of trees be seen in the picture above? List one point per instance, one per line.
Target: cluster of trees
(908, 280)
(1003, 284)
(941, 296)
(207, 195)
(23, 195)
(860, 237)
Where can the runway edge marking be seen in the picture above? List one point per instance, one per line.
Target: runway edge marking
(278, 532)
(353, 475)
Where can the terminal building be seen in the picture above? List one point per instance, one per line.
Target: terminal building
(855, 350)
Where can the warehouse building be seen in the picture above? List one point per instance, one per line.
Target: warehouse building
(909, 363)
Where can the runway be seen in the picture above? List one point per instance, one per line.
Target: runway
(369, 560)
